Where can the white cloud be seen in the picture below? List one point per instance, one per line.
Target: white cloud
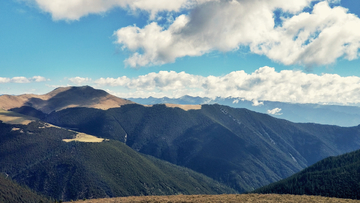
(4, 80)
(257, 103)
(39, 79)
(79, 80)
(21, 79)
(261, 85)
(315, 38)
(75, 9)
(275, 111)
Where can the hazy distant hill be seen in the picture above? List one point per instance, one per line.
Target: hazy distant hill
(332, 177)
(64, 97)
(304, 113)
(238, 147)
(11, 192)
(38, 156)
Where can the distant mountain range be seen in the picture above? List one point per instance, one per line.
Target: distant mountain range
(237, 147)
(304, 113)
(332, 177)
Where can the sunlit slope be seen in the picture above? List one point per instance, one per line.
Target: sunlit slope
(62, 98)
(269, 198)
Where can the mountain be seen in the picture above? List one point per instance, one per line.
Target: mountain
(304, 113)
(67, 165)
(64, 97)
(238, 147)
(332, 177)
(11, 192)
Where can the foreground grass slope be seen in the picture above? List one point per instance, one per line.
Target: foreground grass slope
(240, 148)
(269, 198)
(36, 155)
(332, 177)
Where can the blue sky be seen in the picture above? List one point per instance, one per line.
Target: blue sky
(299, 51)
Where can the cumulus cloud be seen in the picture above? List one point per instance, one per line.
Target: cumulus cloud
(257, 103)
(311, 38)
(74, 10)
(264, 84)
(275, 111)
(4, 80)
(79, 80)
(39, 79)
(22, 79)
(282, 30)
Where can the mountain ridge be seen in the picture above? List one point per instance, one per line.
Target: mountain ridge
(341, 115)
(62, 98)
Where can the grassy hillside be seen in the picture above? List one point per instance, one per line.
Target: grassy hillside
(11, 192)
(241, 148)
(37, 156)
(270, 198)
(332, 177)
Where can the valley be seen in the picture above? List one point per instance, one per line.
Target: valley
(70, 150)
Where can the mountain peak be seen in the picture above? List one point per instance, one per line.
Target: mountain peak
(64, 97)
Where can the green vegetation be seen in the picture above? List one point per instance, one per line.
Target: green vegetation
(240, 148)
(332, 177)
(36, 156)
(11, 192)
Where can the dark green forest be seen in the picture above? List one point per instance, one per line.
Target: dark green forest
(332, 177)
(36, 156)
(11, 192)
(238, 147)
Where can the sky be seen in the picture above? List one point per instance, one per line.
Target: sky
(300, 51)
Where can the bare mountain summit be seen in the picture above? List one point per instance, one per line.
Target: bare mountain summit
(64, 97)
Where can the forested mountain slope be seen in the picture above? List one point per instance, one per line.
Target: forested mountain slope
(238, 147)
(37, 155)
(332, 177)
(11, 192)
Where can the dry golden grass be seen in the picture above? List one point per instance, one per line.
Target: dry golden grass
(269, 198)
(15, 118)
(82, 137)
(184, 107)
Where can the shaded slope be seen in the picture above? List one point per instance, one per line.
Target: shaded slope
(11, 192)
(238, 147)
(62, 98)
(35, 155)
(332, 177)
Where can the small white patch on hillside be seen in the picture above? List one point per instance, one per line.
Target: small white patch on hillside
(293, 157)
(82, 137)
